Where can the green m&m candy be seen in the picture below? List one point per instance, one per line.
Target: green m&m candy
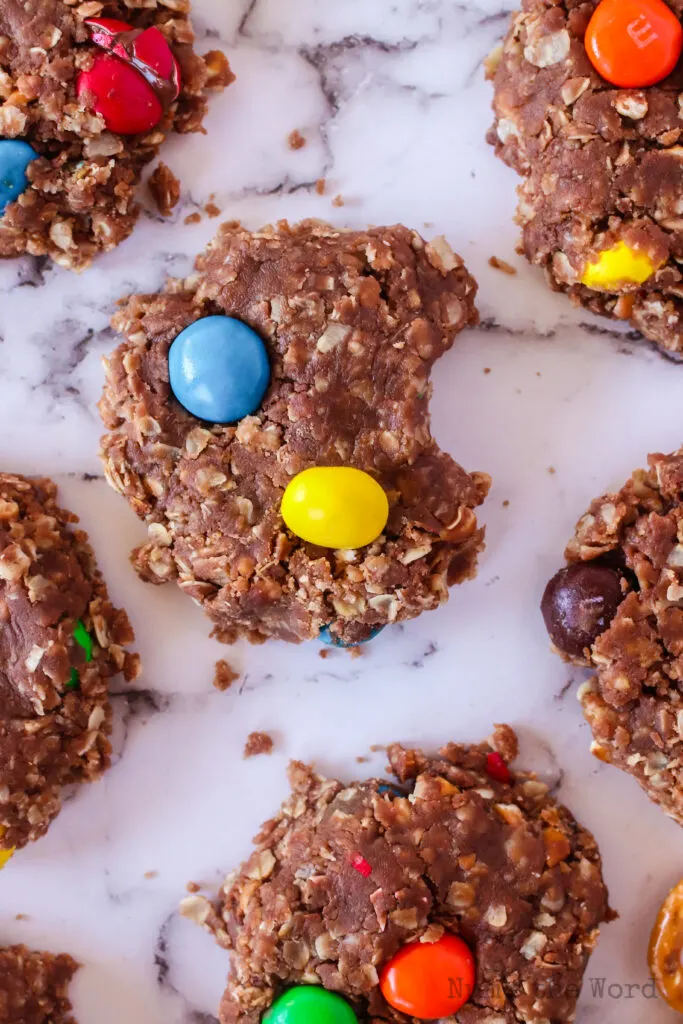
(308, 1004)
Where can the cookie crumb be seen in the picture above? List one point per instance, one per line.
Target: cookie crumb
(218, 67)
(362, 759)
(224, 675)
(165, 189)
(193, 218)
(487, 369)
(258, 743)
(552, 470)
(22, 917)
(295, 140)
(501, 265)
(357, 652)
(320, 186)
(193, 887)
(211, 210)
(338, 201)
(506, 503)
(149, 875)
(323, 654)
(376, 748)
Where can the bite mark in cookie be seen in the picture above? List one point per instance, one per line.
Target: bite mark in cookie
(352, 322)
(627, 554)
(497, 865)
(61, 640)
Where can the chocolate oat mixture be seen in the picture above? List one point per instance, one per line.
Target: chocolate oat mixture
(498, 863)
(353, 322)
(55, 716)
(600, 164)
(81, 198)
(33, 987)
(618, 607)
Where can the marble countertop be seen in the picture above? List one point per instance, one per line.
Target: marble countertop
(391, 99)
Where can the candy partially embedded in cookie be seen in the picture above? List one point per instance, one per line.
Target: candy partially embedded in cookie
(90, 101)
(448, 903)
(218, 369)
(634, 43)
(15, 157)
(34, 986)
(587, 111)
(132, 88)
(286, 469)
(61, 642)
(618, 607)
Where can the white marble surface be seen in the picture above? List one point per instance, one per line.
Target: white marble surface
(391, 98)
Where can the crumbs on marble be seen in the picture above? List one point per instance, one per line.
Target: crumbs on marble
(377, 748)
(193, 218)
(338, 201)
(503, 266)
(22, 917)
(295, 140)
(320, 186)
(165, 189)
(551, 470)
(193, 887)
(487, 369)
(362, 759)
(258, 743)
(357, 652)
(224, 675)
(211, 210)
(149, 875)
(506, 503)
(324, 653)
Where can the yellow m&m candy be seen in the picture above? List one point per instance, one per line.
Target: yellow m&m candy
(335, 507)
(4, 854)
(618, 266)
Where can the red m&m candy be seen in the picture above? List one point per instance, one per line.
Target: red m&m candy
(134, 81)
(633, 43)
(429, 980)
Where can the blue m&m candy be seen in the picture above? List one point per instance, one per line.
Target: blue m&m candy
(15, 156)
(218, 369)
(334, 641)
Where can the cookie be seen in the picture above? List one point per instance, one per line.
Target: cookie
(60, 643)
(345, 879)
(599, 205)
(88, 93)
(33, 987)
(328, 507)
(618, 607)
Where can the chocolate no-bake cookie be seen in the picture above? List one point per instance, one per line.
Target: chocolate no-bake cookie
(618, 607)
(602, 166)
(60, 642)
(352, 322)
(345, 877)
(91, 101)
(33, 987)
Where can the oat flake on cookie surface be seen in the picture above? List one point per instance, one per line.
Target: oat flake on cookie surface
(353, 322)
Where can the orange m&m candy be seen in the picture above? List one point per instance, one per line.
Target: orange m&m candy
(633, 43)
(429, 980)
